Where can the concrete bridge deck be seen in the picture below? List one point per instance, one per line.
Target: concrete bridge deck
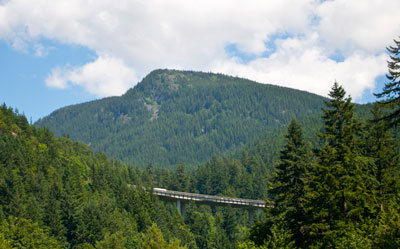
(208, 199)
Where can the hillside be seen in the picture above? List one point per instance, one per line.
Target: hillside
(55, 193)
(176, 116)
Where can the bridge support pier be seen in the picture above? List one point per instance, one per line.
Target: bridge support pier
(181, 208)
(251, 214)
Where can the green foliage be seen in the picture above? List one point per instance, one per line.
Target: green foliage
(59, 192)
(288, 183)
(181, 182)
(346, 196)
(350, 191)
(249, 245)
(271, 233)
(153, 239)
(391, 90)
(22, 233)
(279, 238)
(338, 183)
(116, 241)
(387, 233)
(85, 200)
(174, 116)
(245, 177)
(380, 147)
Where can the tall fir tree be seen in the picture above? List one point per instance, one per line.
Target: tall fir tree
(337, 184)
(289, 181)
(381, 146)
(181, 181)
(391, 90)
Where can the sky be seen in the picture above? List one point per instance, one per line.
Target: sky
(64, 52)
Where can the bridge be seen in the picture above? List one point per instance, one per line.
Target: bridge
(181, 198)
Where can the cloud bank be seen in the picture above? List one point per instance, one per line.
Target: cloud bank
(304, 44)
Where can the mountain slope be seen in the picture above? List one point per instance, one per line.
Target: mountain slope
(176, 116)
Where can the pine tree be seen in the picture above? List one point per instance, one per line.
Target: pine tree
(336, 186)
(382, 148)
(391, 90)
(288, 182)
(181, 181)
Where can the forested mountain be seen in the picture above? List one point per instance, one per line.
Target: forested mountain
(176, 116)
(340, 192)
(268, 144)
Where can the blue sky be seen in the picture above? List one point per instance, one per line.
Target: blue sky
(67, 52)
(22, 79)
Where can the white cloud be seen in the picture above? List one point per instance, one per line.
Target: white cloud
(352, 25)
(191, 34)
(107, 76)
(58, 78)
(301, 64)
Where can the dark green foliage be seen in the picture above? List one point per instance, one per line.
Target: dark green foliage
(181, 181)
(203, 226)
(288, 183)
(381, 146)
(338, 182)
(153, 239)
(245, 177)
(56, 192)
(174, 116)
(21, 233)
(84, 200)
(387, 234)
(350, 191)
(391, 90)
(286, 218)
(345, 197)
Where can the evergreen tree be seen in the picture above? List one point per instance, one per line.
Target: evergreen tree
(21, 233)
(391, 90)
(289, 181)
(337, 190)
(382, 148)
(154, 239)
(181, 180)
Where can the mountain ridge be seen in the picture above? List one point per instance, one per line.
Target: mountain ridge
(176, 116)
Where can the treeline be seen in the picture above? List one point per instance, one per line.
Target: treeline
(344, 194)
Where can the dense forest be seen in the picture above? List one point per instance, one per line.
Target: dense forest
(344, 194)
(180, 116)
(56, 193)
(340, 193)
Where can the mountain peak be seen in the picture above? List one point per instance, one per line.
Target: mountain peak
(176, 116)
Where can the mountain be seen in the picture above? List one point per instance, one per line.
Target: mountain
(181, 116)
